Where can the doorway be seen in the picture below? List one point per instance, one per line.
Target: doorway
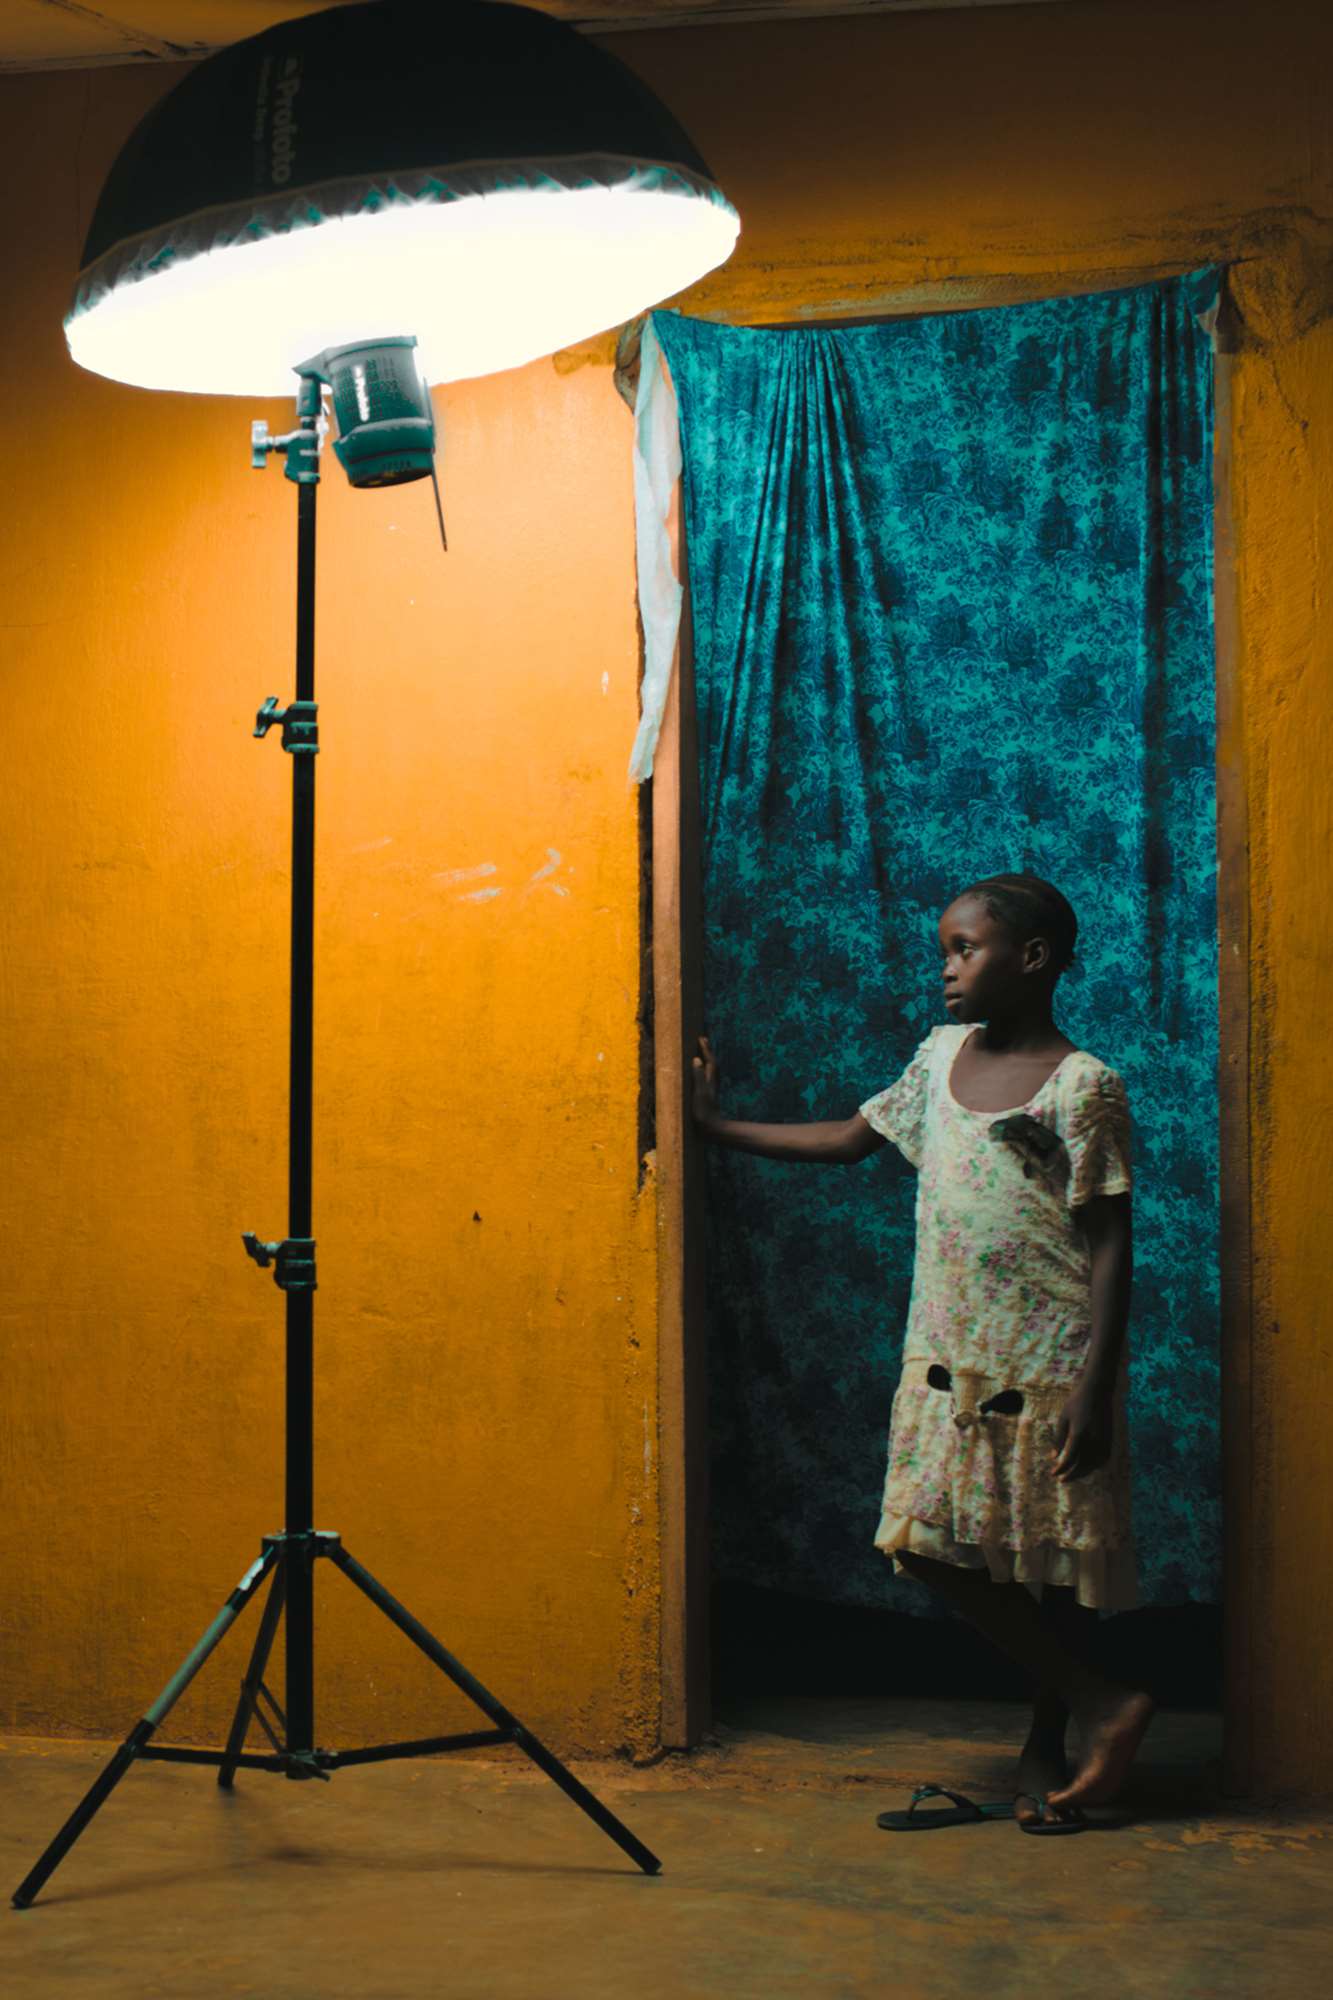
(1195, 1654)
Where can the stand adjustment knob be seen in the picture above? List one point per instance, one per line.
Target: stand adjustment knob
(300, 725)
(305, 1764)
(294, 1258)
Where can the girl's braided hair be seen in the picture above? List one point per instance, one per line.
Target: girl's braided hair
(1027, 907)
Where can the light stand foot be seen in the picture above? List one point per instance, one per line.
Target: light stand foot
(513, 1729)
(135, 1742)
(278, 1551)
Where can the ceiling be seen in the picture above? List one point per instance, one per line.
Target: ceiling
(73, 34)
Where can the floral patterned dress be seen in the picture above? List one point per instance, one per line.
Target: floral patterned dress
(999, 1328)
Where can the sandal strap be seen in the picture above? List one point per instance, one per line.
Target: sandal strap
(1043, 1805)
(943, 1792)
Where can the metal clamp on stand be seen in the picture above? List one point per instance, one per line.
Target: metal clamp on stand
(294, 1258)
(300, 447)
(300, 730)
(306, 1764)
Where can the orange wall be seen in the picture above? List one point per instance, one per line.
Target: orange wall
(488, 1429)
(485, 1388)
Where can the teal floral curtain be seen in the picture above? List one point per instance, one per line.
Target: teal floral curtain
(951, 597)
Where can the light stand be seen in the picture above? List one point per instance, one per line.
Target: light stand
(491, 178)
(289, 1557)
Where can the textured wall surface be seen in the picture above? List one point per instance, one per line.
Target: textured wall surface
(487, 1424)
(485, 1379)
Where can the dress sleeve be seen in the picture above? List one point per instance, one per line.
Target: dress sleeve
(1098, 1138)
(899, 1113)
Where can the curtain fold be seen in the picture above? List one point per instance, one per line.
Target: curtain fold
(952, 614)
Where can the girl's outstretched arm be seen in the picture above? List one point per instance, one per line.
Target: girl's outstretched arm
(833, 1142)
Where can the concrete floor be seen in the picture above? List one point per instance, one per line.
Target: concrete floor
(475, 1878)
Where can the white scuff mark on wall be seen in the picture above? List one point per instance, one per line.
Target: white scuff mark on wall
(371, 846)
(606, 683)
(451, 878)
(451, 875)
(542, 877)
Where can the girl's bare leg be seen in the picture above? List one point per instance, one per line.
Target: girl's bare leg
(1076, 1626)
(1043, 1766)
(1111, 1719)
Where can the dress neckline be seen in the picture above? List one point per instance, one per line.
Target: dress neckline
(1006, 1110)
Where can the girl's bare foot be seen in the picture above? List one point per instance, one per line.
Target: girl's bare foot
(1042, 1765)
(1111, 1727)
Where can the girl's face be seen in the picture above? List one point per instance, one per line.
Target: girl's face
(982, 964)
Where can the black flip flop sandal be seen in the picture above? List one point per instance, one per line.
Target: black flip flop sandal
(1043, 1825)
(962, 1813)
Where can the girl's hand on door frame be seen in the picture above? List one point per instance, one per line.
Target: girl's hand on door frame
(705, 1078)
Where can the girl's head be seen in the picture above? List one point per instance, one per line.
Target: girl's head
(1003, 940)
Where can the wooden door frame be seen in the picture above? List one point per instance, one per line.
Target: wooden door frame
(1240, 1461)
(677, 970)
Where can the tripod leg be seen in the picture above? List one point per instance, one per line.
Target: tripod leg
(103, 1786)
(245, 1708)
(473, 1689)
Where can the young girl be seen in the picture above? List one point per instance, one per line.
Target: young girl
(1008, 1477)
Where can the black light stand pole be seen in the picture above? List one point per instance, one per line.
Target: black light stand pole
(289, 1558)
(301, 1300)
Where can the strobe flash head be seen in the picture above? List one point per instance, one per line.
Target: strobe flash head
(382, 409)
